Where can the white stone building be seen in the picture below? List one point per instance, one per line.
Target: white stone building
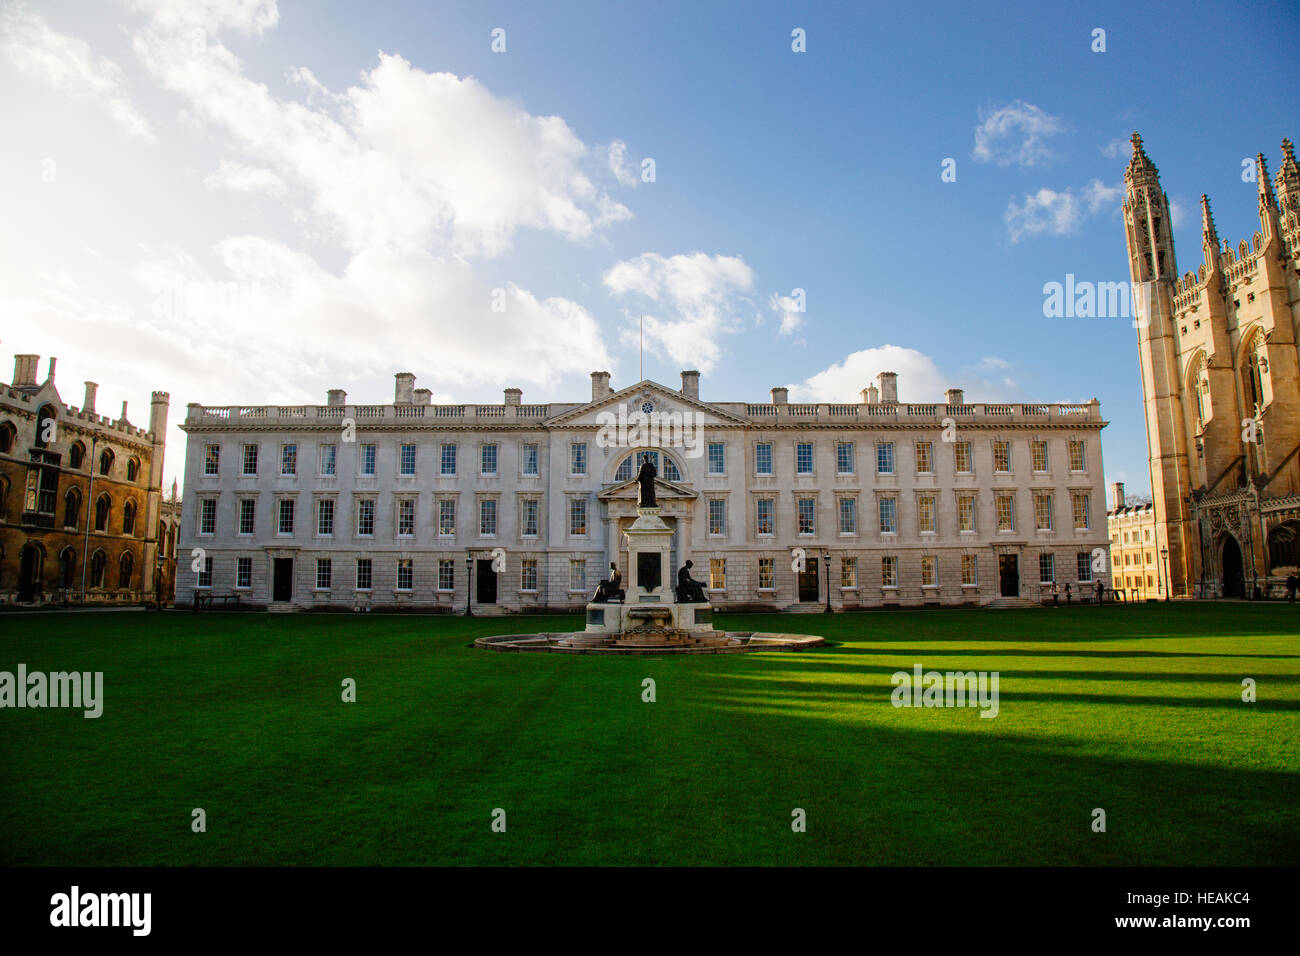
(401, 505)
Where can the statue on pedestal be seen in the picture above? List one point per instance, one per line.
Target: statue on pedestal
(610, 590)
(689, 591)
(646, 479)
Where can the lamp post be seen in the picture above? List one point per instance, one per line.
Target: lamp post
(1164, 556)
(826, 565)
(469, 584)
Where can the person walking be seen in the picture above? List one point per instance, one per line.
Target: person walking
(1101, 592)
(1054, 593)
(1292, 585)
(1067, 594)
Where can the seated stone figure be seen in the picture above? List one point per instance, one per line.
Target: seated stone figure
(611, 589)
(689, 591)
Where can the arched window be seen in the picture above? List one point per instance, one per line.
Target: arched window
(101, 513)
(106, 461)
(67, 567)
(133, 469)
(7, 435)
(124, 570)
(76, 455)
(98, 562)
(1256, 367)
(666, 467)
(1198, 383)
(128, 518)
(46, 424)
(71, 508)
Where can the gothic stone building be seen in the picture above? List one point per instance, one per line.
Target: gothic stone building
(1221, 384)
(75, 483)
(521, 507)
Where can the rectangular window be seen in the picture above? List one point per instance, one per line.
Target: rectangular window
(1002, 456)
(368, 460)
(363, 574)
(578, 458)
(803, 458)
(325, 517)
(289, 459)
(366, 516)
(212, 459)
(530, 458)
(925, 513)
(929, 572)
(1080, 500)
(447, 517)
(286, 516)
(529, 522)
(577, 516)
(528, 574)
(965, 512)
(447, 460)
(717, 574)
(329, 459)
(250, 459)
(766, 508)
(807, 515)
(717, 458)
(207, 516)
(487, 459)
(406, 460)
(243, 573)
(848, 572)
(1043, 510)
(446, 575)
(766, 574)
(844, 463)
(1078, 460)
(970, 570)
(848, 516)
(1083, 564)
(1006, 512)
(717, 516)
(487, 517)
(406, 517)
(1046, 568)
(763, 458)
(924, 457)
(888, 515)
(885, 458)
(247, 515)
(1039, 450)
(205, 573)
(324, 574)
(889, 572)
(405, 574)
(961, 456)
(577, 574)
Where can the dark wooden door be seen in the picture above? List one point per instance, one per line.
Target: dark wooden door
(485, 591)
(282, 584)
(1009, 575)
(808, 586)
(28, 572)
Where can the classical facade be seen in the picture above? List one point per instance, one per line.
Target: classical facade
(1137, 565)
(522, 507)
(79, 495)
(1221, 384)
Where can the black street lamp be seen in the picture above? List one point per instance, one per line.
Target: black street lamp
(1164, 556)
(469, 584)
(826, 564)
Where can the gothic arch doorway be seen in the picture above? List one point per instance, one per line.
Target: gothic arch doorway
(1284, 546)
(29, 573)
(1234, 582)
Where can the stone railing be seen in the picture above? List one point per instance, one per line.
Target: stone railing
(927, 414)
(298, 416)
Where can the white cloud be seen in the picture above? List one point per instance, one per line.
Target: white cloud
(792, 317)
(67, 64)
(693, 300)
(1015, 134)
(1117, 148)
(250, 17)
(618, 164)
(238, 178)
(992, 362)
(1100, 196)
(1046, 211)
(919, 379)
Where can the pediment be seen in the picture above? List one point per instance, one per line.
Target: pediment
(630, 490)
(665, 401)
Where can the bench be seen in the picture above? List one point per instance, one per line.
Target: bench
(205, 601)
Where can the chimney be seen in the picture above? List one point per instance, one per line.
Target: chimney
(955, 396)
(691, 384)
(1117, 495)
(888, 388)
(514, 395)
(53, 362)
(871, 395)
(423, 396)
(88, 403)
(123, 418)
(780, 395)
(404, 392)
(25, 370)
(600, 386)
(336, 398)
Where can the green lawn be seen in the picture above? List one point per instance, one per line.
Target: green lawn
(1136, 710)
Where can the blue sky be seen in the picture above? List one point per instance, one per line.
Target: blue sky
(276, 210)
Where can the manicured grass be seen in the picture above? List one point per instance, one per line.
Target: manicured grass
(1136, 710)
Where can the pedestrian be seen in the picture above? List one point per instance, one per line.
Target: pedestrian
(1054, 594)
(1101, 591)
(1067, 594)
(1292, 584)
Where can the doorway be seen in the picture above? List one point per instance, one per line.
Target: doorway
(485, 591)
(1234, 581)
(29, 574)
(809, 587)
(1009, 575)
(282, 580)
